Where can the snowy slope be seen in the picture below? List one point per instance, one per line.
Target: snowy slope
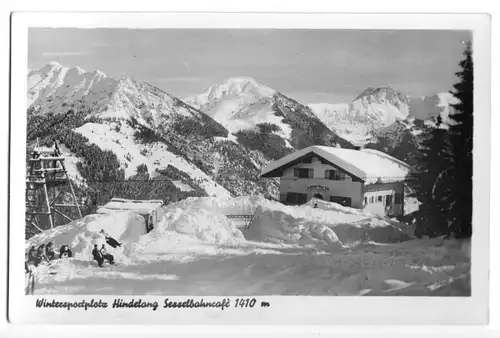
(288, 250)
(70, 161)
(155, 156)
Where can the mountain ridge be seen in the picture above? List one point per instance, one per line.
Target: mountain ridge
(379, 107)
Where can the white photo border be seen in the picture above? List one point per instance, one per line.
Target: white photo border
(284, 310)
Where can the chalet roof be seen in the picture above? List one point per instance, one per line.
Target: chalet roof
(369, 165)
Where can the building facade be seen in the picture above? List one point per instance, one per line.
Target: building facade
(341, 176)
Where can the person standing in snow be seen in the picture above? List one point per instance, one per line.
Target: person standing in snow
(106, 255)
(97, 256)
(41, 255)
(110, 240)
(49, 251)
(32, 257)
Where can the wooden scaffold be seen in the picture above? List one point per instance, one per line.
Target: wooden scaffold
(47, 176)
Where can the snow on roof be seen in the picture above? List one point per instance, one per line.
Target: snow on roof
(139, 206)
(368, 164)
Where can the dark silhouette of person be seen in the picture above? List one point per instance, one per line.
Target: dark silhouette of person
(106, 255)
(110, 240)
(49, 251)
(41, 255)
(65, 251)
(32, 256)
(97, 255)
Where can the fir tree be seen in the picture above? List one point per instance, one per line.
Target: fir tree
(444, 184)
(432, 163)
(459, 213)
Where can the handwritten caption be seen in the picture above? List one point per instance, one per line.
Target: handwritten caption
(120, 303)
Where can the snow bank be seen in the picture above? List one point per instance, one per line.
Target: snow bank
(203, 224)
(193, 219)
(411, 205)
(276, 226)
(290, 250)
(243, 205)
(304, 225)
(82, 234)
(279, 227)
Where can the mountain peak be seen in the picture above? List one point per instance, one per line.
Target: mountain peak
(78, 70)
(239, 86)
(385, 96)
(99, 72)
(242, 87)
(54, 64)
(382, 91)
(240, 80)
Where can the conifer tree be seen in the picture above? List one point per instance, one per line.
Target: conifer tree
(432, 162)
(444, 184)
(459, 213)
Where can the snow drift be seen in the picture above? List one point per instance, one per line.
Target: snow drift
(288, 250)
(279, 227)
(82, 234)
(200, 223)
(329, 224)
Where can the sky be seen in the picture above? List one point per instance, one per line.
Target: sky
(311, 66)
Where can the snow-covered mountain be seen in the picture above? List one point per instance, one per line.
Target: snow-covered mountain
(239, 103)
(374, 108)
(383, 105)
(242, 104)
(57, 89)
(339, 117)
(138, 124)
(377, 108)
(227, 98)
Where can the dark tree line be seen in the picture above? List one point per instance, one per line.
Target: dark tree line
(271, 145)
(445, 165)
(101, 169)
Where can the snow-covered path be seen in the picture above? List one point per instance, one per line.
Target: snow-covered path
(419, 268)
(195, 250)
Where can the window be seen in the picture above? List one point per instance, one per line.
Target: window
(335, 175)
(379, 199)
(371, 199)
(366, 200)
(296, 198)
(398, 198)
(345, 201)
(303, 172)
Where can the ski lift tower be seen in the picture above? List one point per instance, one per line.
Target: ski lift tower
(47, 176)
